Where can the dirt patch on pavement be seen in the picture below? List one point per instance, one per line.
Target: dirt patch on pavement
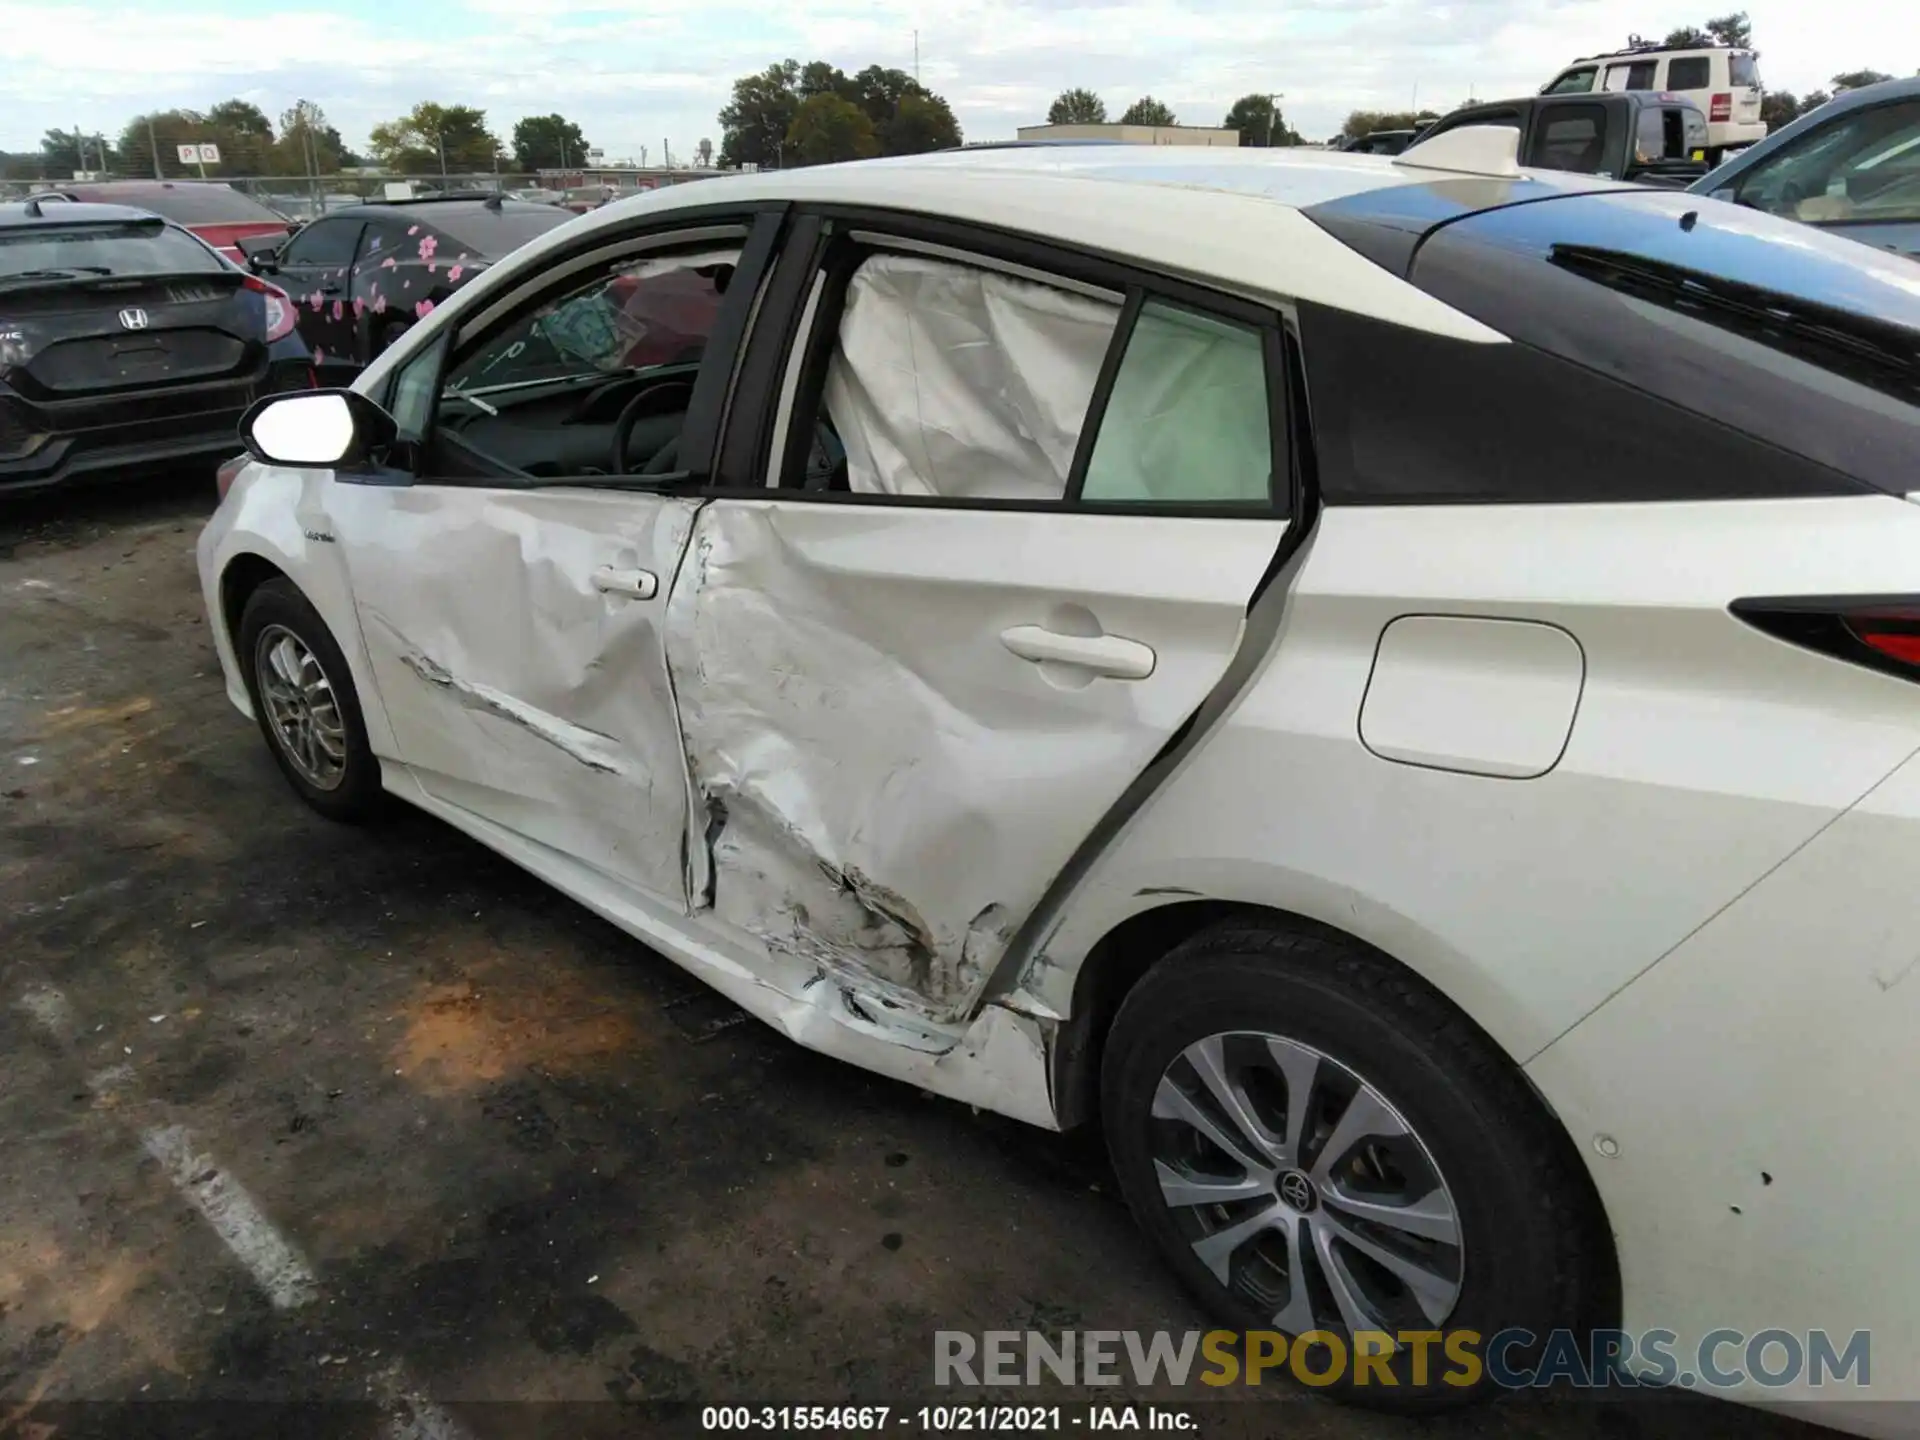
(467, 1034)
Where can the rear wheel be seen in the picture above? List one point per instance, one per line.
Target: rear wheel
(1318, 1143)
(304, 699)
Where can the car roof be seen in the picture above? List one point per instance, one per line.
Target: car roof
(74, 212)
(427, 207)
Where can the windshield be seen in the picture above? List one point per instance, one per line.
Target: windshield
(495, 233)
(130, 248)
(1862, 168)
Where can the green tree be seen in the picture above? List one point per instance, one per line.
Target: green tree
(1077, 107)
(828, 128)
(1148, 111)
(548, 142)
(1779, 107)
(1259, 122)
(1854, 79)
(920, 122)
(1687, 37)
(817, 77)
(754, 124)
(308, 143)
(65, 151)
(879, 91)
(430, 138)
(1365, 122)
(1734, 30)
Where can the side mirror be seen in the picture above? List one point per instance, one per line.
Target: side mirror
(316, 429)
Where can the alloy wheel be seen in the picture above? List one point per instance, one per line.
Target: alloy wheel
(302, 711)
(1302, 1190)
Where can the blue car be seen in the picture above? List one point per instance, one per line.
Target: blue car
(1852, 167)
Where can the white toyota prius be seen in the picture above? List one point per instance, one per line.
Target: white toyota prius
(1389, 686)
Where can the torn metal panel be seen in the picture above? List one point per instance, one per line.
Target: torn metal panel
(884, 789)
(517, 688)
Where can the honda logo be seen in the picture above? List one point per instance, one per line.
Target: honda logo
(134, 319)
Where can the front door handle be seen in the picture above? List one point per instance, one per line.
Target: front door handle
(634, 584)
(1114, 656)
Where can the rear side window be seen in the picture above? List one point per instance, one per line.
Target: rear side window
(1572, 139)
(1659, 135)
(1690, 72)
(1187, 421)
(1744, 69)
(128, 249)
(1638, 75)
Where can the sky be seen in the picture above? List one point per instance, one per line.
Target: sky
(647, 72)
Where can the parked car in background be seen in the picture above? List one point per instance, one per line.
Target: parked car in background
(1651, 139)
(1852, 167)
(218, 214)
(1722, 80)
(363, 274)
(127, 342)
(1389, 688)
(1380, 142)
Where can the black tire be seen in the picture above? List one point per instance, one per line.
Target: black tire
(279, 606)
(1529, 1254)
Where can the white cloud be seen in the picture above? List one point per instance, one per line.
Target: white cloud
(633, 75)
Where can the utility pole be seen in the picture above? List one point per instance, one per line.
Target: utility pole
(916, 57)
(442, 138)
(154, 145)
(666, 154)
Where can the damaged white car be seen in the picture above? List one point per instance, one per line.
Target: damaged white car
(1389, 684)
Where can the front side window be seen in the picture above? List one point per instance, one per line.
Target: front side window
(1691, 72)
(1862, 168)
(325, 242)
(1574, 82)
(637, 315)
(1188, 420)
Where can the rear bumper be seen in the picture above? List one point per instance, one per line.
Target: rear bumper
(1723, 133)
(43, 445)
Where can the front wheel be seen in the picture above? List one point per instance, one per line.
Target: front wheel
(1316, 1142)
(304, 699)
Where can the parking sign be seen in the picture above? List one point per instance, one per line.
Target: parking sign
(209, 154)
(189, 154)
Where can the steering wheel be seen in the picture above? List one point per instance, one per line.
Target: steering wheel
(661, 461)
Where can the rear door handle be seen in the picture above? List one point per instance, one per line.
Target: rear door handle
(634, 584)
(1114, 656)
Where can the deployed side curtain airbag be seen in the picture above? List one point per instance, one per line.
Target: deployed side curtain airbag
(958, 382)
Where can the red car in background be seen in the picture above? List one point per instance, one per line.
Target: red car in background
(219, 214)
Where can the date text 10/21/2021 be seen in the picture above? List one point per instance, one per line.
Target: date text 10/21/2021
(948, 1419)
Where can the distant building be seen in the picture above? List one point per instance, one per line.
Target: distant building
(1134, 134)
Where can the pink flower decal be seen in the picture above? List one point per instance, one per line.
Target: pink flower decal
(316, 300)
(359, 307)
(379, 304)
(413, 230)
(453, 274)
(423, 309)
(388, 263)
(338, 309)
(319, 355)
(428, 244)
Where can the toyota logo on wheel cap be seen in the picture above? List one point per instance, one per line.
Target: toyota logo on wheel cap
(1297, 1190)
(134, 319)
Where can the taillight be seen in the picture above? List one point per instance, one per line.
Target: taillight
(279, 307)
(229, 472)
(1721, 109)
(1878, 631)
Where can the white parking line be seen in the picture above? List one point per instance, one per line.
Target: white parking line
(277, 1268)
